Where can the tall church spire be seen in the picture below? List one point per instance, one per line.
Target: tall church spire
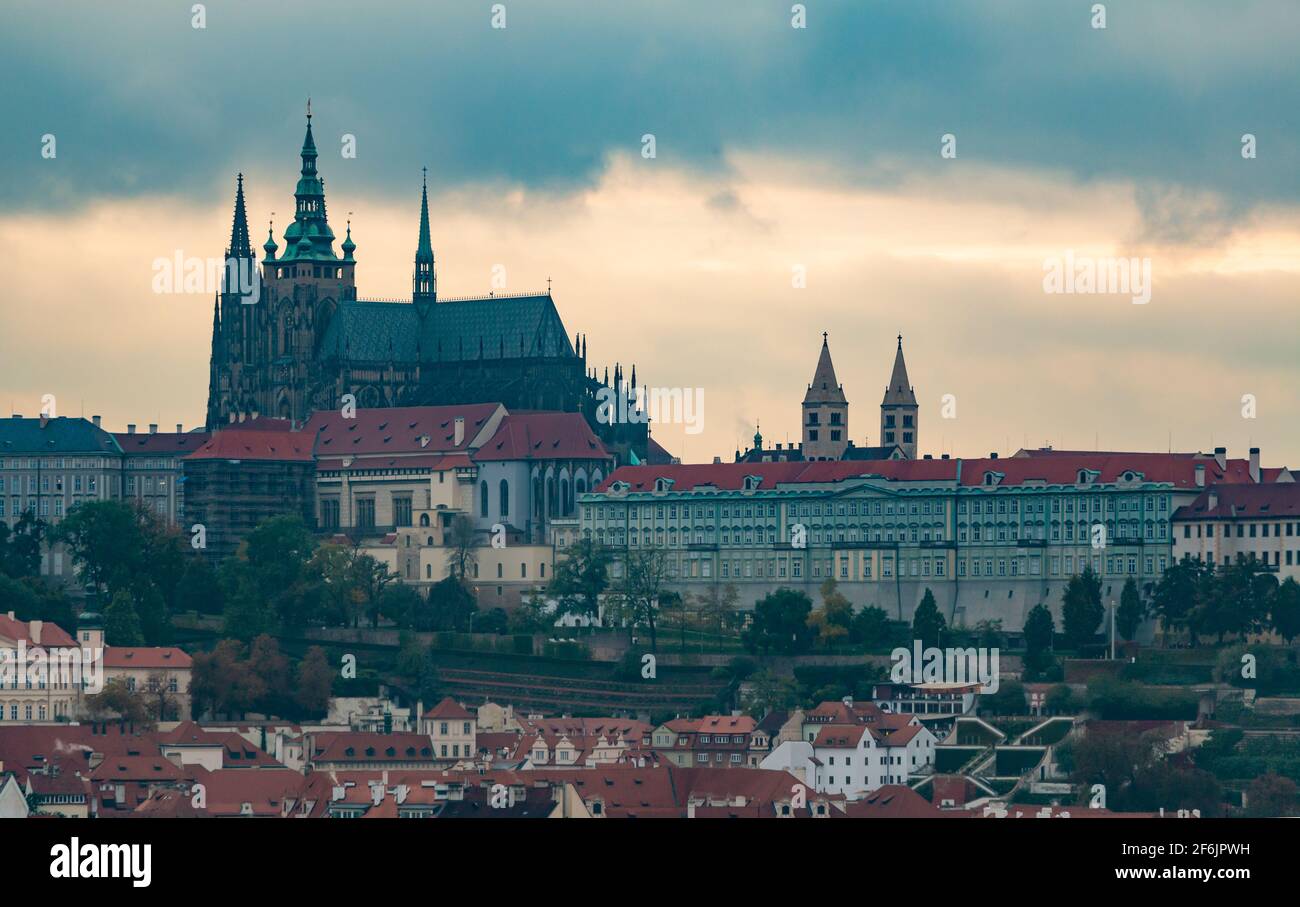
(899, 414)
(900, 390)
(425, 283)
(239, 247)
(309, 237)
(825, 418)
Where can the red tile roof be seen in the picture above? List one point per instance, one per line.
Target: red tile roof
(400, 429)
(893, 801)
(543, 436)
(449, 708)
(149, 657)
(52, 635)
(355, 746)
(140, 768)
(1259, 502)
(254, 444)
(1058, 468)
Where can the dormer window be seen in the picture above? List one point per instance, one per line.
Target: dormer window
(993, 478)
(752, 482)
(663, 484)
(619, 487)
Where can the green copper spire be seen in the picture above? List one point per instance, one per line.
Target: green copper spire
(348, 245)
(425, 284)
(309, 237)
(270, 245)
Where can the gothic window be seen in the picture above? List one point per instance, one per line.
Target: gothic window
(482, 499)
(505, 498)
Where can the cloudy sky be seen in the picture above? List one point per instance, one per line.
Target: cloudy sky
(779, 151)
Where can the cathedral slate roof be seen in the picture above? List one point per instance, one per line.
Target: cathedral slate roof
(373, 332)
(453, 331)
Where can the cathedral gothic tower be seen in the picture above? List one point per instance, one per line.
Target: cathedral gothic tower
(825, 412)
(898, 411)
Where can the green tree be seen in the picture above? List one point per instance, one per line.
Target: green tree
(451, 605)
(222, 681)
(780, 623)
(770, 692)
(1081, 609)
(121, 622)
(199, 588)
(1285, 617)
(271, 667)
(405, 606)
(1008, 700)
(20, 546)
(635, 594)
(580, 577)
(928, 624)
(1176, 594)
(1131, 611)
(268, 586)
(870, 628)
(314, 683)
(462, 539)
(1270, 795)
(115, 544)
(1039, 631)
(831, 621)
(116, 700)
(1060, 700)
(717, 605)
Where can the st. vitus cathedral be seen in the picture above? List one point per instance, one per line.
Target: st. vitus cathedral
(302, 340)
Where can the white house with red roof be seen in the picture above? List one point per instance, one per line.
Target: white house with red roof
(853, 759)
(453, 729)
(161, 674)
(1260, 523)
(29, 693)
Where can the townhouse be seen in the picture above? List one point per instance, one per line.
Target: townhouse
(714, 741)
(1260, 523)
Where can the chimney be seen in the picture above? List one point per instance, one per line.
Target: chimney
(179, 429)
(1200, 475)
(153, 428)
(944, 457)
(1213, 501)
(717, 459)
(993, 455)
(130, 428)
(1254, 464)
(35, 629)
(95, 419)
(460, 430)
(1221, 457)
